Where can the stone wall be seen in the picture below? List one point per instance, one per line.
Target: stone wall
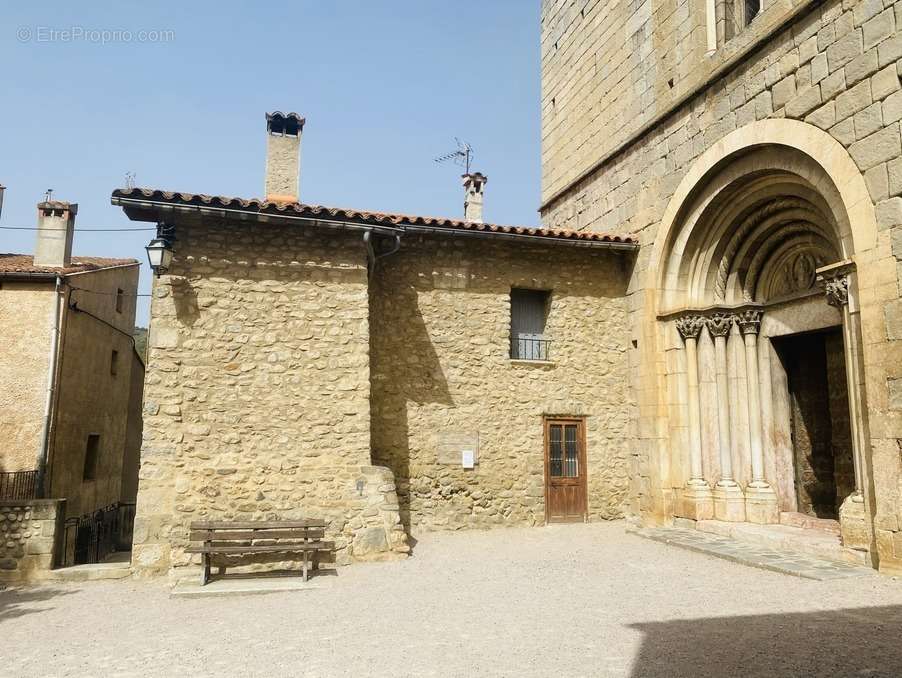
(90, 399)
(440, 326)
(833, 65)
(26, 316)
(31, 534)
(257, 395)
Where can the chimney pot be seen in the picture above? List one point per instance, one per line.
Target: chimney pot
(56, 227)
(474, 190)
(283, 156)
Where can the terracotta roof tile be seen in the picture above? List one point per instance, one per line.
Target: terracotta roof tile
(24, 263)
(360, 216)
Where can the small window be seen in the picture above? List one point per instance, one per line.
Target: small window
(528, 311)
(91, 452)
(752, 7)
(120, 299)
(114, 362)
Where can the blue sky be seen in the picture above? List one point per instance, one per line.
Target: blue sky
(385, 87)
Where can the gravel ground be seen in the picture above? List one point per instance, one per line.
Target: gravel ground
(580, 600)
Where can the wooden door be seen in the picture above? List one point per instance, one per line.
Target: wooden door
(565, 470)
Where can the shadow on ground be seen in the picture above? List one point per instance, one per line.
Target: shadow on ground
(846, 642)
(17, 601)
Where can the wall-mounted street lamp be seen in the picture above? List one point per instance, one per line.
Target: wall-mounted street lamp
(2, 190)
(159, 250)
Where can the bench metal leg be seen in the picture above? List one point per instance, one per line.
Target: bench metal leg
(221, 570)
(205, 575)
(315, 561)
(304, 559)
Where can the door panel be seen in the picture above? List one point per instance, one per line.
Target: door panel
(565, 470)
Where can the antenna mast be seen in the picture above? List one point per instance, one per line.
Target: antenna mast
(461, 156)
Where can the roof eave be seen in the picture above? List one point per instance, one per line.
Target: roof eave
(143, 209)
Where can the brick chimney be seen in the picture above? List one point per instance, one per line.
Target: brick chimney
(283, 156)
(56, 226)
(474, 188)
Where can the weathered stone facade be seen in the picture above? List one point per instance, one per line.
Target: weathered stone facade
(257, 398)
(441, 326)
(26, 314)
(640, 115)
(31, 534)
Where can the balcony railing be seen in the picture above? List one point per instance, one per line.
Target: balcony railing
(19, 484)
(527, 348)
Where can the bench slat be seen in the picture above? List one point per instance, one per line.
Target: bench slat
(255, 525)
(225, 535)
(263, 548)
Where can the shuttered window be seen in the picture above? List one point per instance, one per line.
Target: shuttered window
(528, 311)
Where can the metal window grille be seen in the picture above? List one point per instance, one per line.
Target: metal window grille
(528, 311)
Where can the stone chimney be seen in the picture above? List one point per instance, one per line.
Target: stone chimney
(474, 188)
(283, 156)
(56, 226)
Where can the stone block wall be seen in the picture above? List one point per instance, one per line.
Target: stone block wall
(31, 534)
(26, 315)
(440, 327)
(833, 65)
(257, 397)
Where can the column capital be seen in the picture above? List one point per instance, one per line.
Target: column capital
(719, 324)
(749, 321)
(690, 326)
(834, 280)
(837, 290)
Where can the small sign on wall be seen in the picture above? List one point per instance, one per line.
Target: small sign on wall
(468, 458)
(457, 448)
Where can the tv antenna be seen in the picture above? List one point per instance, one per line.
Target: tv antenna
(48, 195)
(129, 179)
(461, 156)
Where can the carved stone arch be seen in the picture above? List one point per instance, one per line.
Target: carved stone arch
(751, 220)
(817, 158)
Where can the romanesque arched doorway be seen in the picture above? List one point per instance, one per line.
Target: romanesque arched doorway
(759, 345)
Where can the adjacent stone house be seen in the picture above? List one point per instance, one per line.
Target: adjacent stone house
(70, 396)
(309, 361)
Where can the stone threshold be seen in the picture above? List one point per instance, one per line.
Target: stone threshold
(808, 541)
(243, 586)
(754, 555)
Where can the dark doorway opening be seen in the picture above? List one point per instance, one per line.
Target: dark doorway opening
(821, 432)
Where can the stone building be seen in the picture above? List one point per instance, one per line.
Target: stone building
(385, 372)
(707, 330)
(70, 396)
(753, 150)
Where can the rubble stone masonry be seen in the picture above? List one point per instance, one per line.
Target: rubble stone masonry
(257, 397)
(440, 323)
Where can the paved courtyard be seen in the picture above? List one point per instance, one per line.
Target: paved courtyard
(581, 600)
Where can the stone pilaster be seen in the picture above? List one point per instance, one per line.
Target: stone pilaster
(854, 523)
(760, 499)
(698, 501)
(729, 500)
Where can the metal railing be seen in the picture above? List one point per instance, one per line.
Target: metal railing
(94, 536)
(530, 349)
(19, 484)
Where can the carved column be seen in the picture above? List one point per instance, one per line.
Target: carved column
(854, 523)
(760, 498)
(697, 498)
(729, 501)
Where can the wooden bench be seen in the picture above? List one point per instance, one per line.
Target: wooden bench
(225, 538)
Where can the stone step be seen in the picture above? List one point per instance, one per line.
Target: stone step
(788, 539)
(117, 566)
(754, 555)
(794, 519)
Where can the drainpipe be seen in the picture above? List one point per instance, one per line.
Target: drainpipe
(51, 388)
(371, 255)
